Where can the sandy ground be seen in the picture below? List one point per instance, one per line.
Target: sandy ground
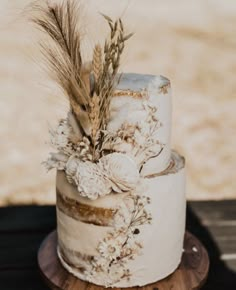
(191, 42)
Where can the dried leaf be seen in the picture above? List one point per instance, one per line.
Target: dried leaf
(128, 36)
(107, 17)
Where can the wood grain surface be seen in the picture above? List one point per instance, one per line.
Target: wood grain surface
(191, 273)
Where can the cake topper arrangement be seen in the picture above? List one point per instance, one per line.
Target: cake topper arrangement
(91, 143)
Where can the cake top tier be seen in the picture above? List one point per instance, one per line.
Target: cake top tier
(135, 143)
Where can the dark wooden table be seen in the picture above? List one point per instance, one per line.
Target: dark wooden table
(23, 228)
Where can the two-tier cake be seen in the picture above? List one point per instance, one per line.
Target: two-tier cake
(120, 188)
(121, 221)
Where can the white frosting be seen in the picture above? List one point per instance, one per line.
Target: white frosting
(79, 236)
(128, 108)
(162, 239)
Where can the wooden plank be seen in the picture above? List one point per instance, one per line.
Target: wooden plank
(19, 250)
(227, 246)
(215, 212)
(214, 224)
(27, 218)
(214, 204)
(222, 232)
(21, 280)
(231, 264)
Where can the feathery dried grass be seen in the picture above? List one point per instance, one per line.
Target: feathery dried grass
(63, 54)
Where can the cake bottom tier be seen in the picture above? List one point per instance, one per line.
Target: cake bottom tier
(124, 240)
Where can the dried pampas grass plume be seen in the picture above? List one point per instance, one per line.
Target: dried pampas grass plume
(59, 21)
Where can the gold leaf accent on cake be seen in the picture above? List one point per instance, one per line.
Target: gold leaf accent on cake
(130, 93)
(83, 212)
(164, 88)
(176, 163)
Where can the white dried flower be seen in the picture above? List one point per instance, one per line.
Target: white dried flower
(71, 166)
(83, 150)
(60, 136)
(121, 170)
(56, 160)
(110, 249)
(115, 171)
(123, 216)
(90, 180)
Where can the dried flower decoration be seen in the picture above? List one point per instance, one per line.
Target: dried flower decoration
(115, 172)
(120, 245)
(98, 161)
(88, 86)
(134, 136)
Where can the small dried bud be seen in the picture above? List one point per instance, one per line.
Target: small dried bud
(136, 231)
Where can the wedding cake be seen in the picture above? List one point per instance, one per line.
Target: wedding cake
(120, 188)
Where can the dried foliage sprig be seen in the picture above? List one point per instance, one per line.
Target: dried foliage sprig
(89, 86)
(113, 49)
(105, 68)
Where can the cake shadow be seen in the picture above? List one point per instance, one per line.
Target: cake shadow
(220, 277)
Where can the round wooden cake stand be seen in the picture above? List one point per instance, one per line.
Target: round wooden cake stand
(191, 273)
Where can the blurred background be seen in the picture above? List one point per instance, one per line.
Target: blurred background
(192, 42)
